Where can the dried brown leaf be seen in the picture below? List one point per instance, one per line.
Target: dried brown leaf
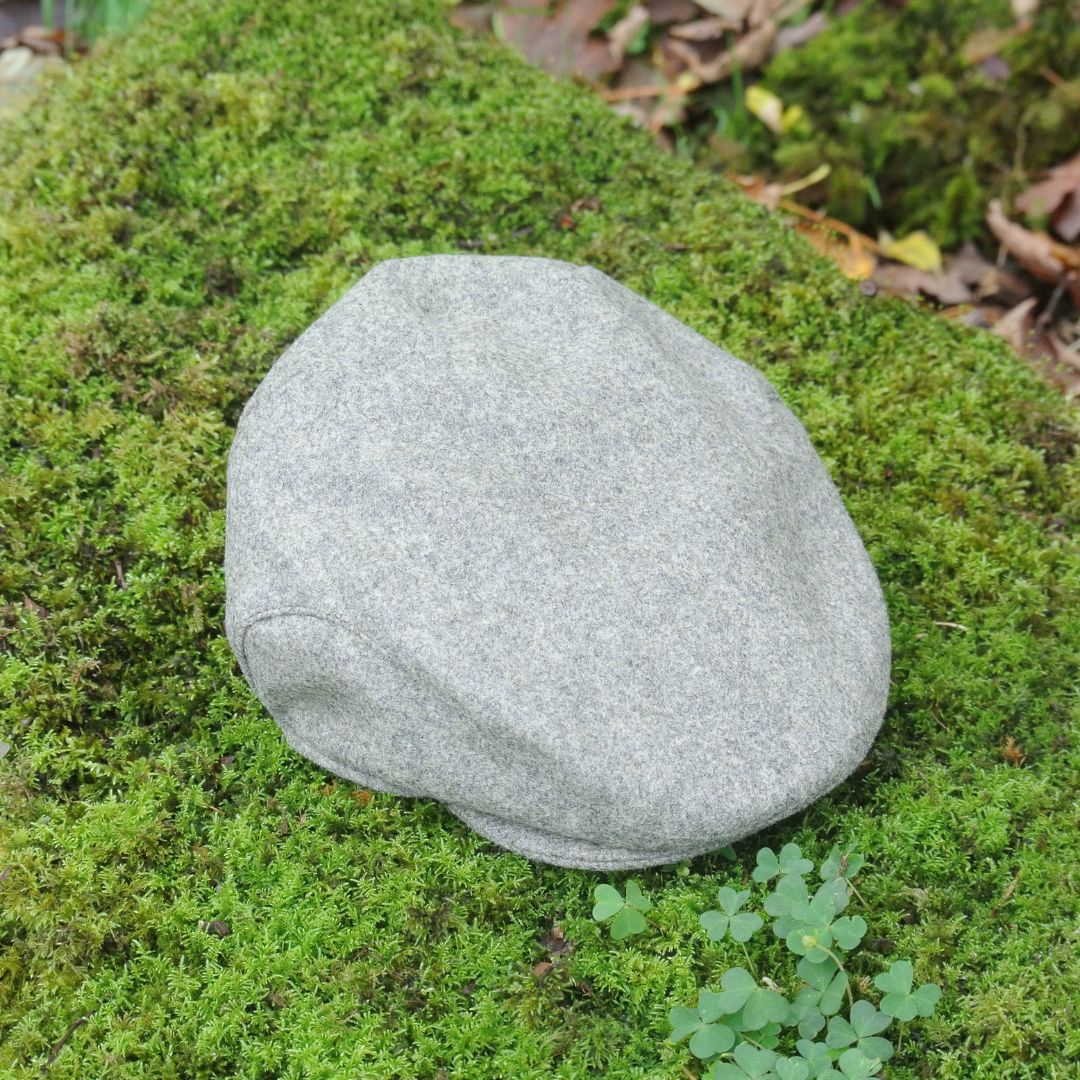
(556, 942)
(621, 36)
(1037, 252)
(792, 37)
(563, 43)
(944, 287)
(473, 18)
(735, 11)
(708, 29)
(748, 53)
(762, 11)
(1015, 325)
(665, 12)
(1066, 220)
(1048, 194)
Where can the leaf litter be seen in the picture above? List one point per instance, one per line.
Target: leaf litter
(656, 60)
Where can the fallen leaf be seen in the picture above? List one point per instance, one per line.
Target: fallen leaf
(1037, 252)
(916, 249)
(989, 41)
(762, 11)
(362, 796)
(622, 35)
(1015, 325)
(760, 190)
(766, 106)
(1066, 355)
(541, 969)
(556, 943)
(664, 12)
(985, 278)
(1024, 9)
(733, 10)
(850, 255)
(909, 281)
(1045, 196)
(792, 37)
(748, 53)
(41, 40)
(708, 29)
(562, 43)
(217, 927)
(1066, 221)
(473, 18)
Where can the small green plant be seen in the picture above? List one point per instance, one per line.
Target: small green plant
(625, 915)
(750, 1029)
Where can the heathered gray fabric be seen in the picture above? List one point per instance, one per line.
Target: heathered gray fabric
(504, 534)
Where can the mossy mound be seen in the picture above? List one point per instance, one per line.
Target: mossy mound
(919, 132)
(208, 904)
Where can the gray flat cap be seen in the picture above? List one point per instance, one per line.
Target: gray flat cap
(504, 534)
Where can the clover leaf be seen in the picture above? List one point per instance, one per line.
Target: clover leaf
(849, 931)
(787, 900)
(789, 861)
(837, 865)
(861, 1031)
(819, 1059)
(791, 1069)
(838, 891)
(707, 1039)
(757, 1006)
(625, 914)
(822, 997)
(749, 1062)
(855, 1065)
(899, 1000)
(729, 920)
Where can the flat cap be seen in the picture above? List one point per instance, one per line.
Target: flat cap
(502, 533)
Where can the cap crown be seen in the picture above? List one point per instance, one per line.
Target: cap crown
(502, 533)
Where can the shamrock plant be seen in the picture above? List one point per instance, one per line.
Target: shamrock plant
(626, 915)
(729, 920)
(900, 1000)
(749, 1028)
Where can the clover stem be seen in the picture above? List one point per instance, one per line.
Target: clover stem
(851, 885)
(750, 962)
(900, 1037)
(847, 978)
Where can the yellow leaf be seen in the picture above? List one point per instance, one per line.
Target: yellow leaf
(916, 249)
(848, 253)
(767, 107)
(793, 115)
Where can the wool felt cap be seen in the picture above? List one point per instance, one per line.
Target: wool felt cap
(502, 533)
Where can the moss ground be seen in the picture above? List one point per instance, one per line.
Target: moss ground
(172, 216)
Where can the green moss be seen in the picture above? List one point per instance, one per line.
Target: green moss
(171, 217)
(897, 109)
